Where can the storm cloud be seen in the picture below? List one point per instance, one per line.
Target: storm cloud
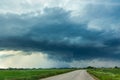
(86, 31)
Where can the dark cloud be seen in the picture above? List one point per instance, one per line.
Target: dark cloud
(113, 42)
(63, 51)
(55, 34)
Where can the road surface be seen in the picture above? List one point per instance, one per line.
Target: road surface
(74, 75)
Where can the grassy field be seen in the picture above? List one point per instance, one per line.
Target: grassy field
(106, 74)
(30, 74)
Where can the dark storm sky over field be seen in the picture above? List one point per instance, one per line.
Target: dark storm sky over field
(61, 33)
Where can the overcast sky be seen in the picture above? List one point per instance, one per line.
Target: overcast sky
(59, 33)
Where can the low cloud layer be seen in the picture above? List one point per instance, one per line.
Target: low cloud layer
(85, 31)
(35, 60)
(20, 59)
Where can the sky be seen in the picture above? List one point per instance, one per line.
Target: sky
(59, 33)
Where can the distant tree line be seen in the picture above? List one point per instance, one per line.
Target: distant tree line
(89, 67)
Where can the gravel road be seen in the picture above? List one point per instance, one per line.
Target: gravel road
(74, 75)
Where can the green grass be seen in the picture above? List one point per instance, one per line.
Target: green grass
(106, 74)
(30, 74)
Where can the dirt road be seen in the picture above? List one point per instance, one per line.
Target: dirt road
(75, 75)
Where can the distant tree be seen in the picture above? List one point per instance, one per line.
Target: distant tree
(90, 67)
(116, 67)
(11, 68)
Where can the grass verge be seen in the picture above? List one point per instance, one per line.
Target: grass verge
(106, 74)
(30, 74)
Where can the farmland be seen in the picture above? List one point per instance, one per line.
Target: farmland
(29, 74)
(106, 74)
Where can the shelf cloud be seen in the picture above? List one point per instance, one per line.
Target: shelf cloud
(65, 30)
